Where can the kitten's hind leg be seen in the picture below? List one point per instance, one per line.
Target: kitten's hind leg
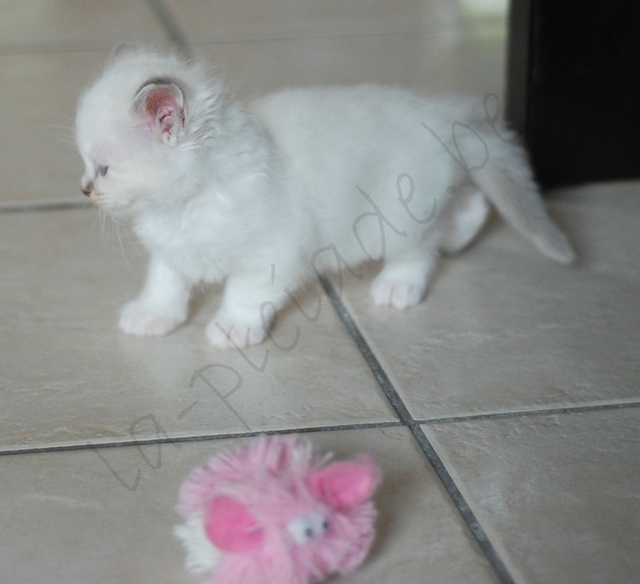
(162, 305)
(463, 218)
(403, 281)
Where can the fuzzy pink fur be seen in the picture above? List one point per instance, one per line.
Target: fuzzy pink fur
(276, 514)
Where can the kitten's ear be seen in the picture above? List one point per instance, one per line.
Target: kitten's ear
(161, 103)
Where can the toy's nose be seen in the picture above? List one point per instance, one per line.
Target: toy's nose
(86, 189)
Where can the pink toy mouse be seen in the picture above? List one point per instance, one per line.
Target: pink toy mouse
(272, 513)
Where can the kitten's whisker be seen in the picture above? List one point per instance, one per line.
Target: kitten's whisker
(103, 217)
(124, 253)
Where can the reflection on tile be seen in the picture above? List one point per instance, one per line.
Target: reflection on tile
(433, 63)
(68, 375)
(227, 20)
(89, 511)
(63, 24)
(560, 492)
(504, 329)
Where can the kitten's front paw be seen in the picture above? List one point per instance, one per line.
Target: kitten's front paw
(396, 294)
(225, 333)
(136, 319)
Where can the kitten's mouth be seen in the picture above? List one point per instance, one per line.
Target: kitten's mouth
(100, 200)
(96, 198)
(107, 204)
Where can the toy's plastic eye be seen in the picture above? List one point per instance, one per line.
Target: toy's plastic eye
(304, 529)
(103, 170)
(301, 530)
(320, 524)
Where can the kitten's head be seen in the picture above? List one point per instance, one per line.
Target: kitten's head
(138, 126)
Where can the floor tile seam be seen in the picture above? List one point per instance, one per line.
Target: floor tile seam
(166, 18)
(530, 413)
(53, 48)
(178, 37)
(335, 36)
(425, 445)
(463, 507)
(36, 206)
(198, 438)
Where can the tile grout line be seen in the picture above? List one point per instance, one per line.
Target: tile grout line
(424, 443)
(9, 208)
(316, 37)
(577, 409)
(337, 35)
(199, 438)
(170, 24)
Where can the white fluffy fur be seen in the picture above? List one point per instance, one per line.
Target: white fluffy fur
(202, 555)
(289, 184)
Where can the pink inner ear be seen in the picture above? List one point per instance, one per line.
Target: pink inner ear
(161, 99)
(231, 527)
(346, 484)
(162, 106)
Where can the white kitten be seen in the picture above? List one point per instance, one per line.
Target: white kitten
(301, 181)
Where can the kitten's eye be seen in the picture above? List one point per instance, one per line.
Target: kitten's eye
(103, 170)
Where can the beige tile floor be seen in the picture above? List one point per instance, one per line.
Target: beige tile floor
(504, 410)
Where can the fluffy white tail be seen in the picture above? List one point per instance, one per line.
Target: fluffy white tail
(508, 183)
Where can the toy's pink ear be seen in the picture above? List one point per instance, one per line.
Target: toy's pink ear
(346, 484)
(231, 527)
(161, 104)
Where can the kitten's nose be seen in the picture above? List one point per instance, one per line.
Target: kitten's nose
(86, 189)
